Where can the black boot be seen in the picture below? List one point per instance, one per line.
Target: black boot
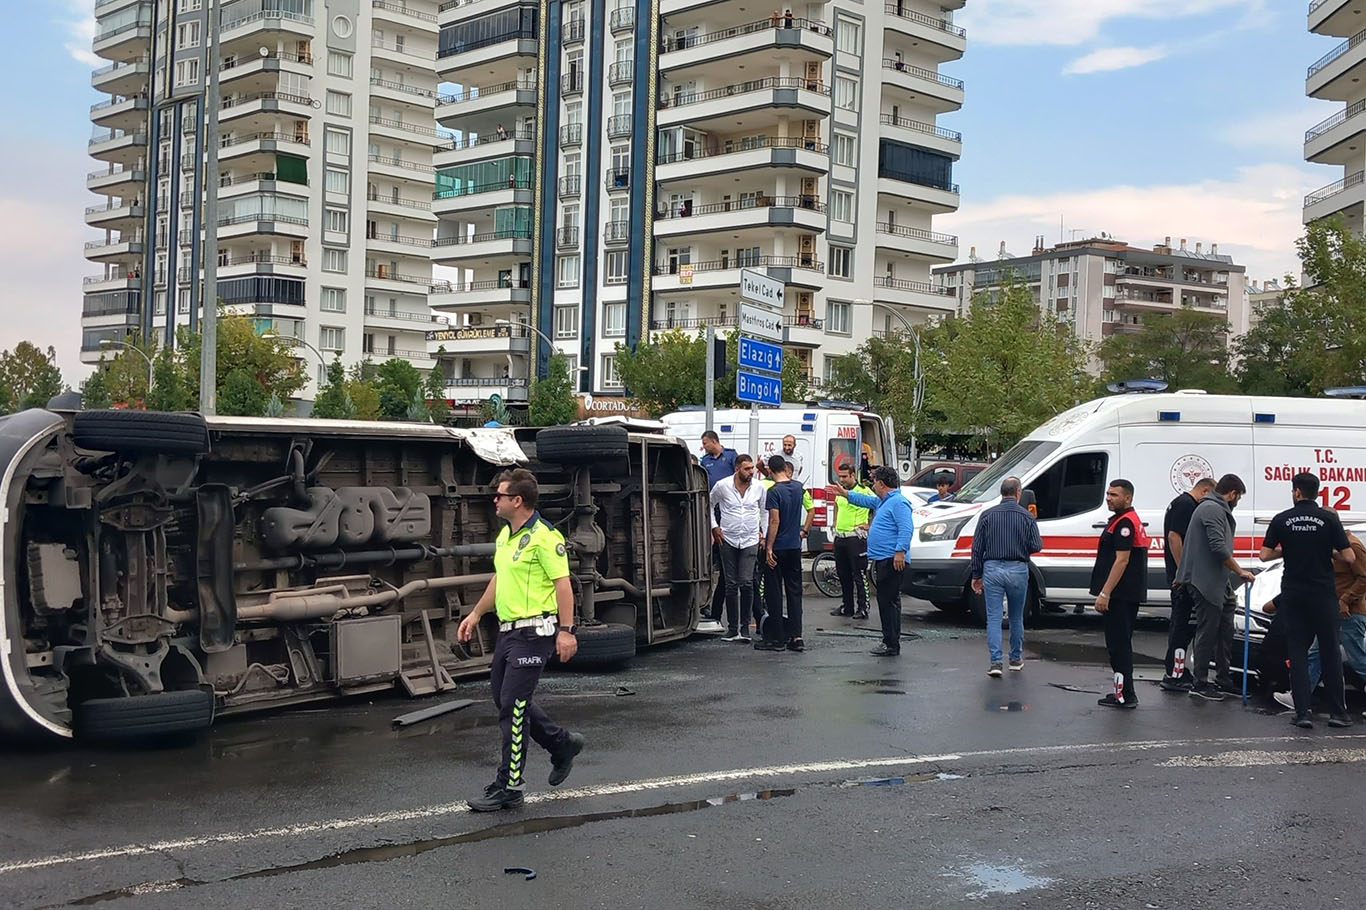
(496, 798)
(562, 763)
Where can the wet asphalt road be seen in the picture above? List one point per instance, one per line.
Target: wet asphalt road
(725, 778)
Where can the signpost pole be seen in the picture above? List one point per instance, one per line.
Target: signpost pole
(711, 377)
(754, 431)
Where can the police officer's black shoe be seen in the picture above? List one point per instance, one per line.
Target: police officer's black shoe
(1339, 721)
(1303, 721)
(496, 798)
(563, 762)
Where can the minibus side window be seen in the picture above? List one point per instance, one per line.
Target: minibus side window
(843, 451)
(1072, 486)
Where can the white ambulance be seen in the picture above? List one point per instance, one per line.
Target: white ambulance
(1162, 443)
(827, 435)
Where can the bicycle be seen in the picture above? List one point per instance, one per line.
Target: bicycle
(826, 577)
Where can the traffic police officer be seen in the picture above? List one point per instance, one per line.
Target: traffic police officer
(851, 545)
(530, 586)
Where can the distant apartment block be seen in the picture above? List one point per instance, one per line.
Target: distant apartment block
(1339, 140)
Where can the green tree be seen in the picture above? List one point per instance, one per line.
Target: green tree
(667, 373)
(241, 395)
(1282, 354)
(1186, 349)
(269, 362)
(360, 388)
(333, 402)
(551, 400)
(397, 381)
(95, 392)
(274, 406)
(417, 408)
(439, 409)
(1004, 369)
(170, 384)
(28, 376)
(871, 372)
(126, 372)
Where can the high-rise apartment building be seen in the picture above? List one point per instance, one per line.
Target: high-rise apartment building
(618, 162)
(1105, 287)
(1340, 140)
(324, 194)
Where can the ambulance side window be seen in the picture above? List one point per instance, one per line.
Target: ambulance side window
(843, 451)
(1073, 485)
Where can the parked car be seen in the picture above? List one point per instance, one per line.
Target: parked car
(960, 471)
(162, 569)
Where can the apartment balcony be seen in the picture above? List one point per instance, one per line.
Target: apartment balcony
(118, 147)
(572, 32)
(619, 126)
(478, 389)
(1338, 139)
(416, 96)
(395, 205)
(484, 196)
(409, 57)
(487, 246)
(466, 341)
(241, 265)
(726, 52)
(473, 148)
(808, 155)
(399, 319)
(571, 134)
(120, 180)
(255, 73)
(621, 73)
(617, 179)
(803, 330)
(99, 310)
(938, 199)
(411, 246)
(482, 295)
(419, 15)
(724, 274)
(941, 94)
(1346, 195)
(395, 168)
(487, 100)
(115, 215)
(917, 242)
(243, 31)
(118, 113)
(802, 99)
(623, 19)
(101, 284)
(1141, 302)
(1338, 18)
(256, 152)
(571, 84)
(409, 132)
(385, 278)
(515, 47)
(128, 77)
(567, 238)
(932, 36)
(615, 232)
(1337, 75)
(127, 41)
(118, 250)
(570, 186)
(267, 224)
(449, 12)
(262, 110)
(920, 296)
(925, 135)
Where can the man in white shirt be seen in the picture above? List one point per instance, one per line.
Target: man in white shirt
(794, 458)
(739, 520)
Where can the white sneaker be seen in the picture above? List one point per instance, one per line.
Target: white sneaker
(1284, 699)
(743, 637)
(735, 637)
(710, 625)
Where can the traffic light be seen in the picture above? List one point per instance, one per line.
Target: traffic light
(718, 357)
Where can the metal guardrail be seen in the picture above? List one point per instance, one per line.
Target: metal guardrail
(895, 9)
(920, 72)
(1328, 192)
(927, 128)
(917, 234)
(747, 144)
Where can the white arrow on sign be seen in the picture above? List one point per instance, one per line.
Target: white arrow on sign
(756, 287)
(759, 321)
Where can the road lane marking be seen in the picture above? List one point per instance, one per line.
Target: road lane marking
(638, 786)
(1251, 759)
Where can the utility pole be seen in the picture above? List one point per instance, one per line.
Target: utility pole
(208, 324)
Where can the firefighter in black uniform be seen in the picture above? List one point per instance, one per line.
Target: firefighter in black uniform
(530, 590)
(1120, 582)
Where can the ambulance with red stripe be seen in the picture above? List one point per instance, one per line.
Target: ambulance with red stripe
(1163, 443)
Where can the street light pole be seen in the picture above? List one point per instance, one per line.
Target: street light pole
(110, 342)
(208, 326)
(918, 395)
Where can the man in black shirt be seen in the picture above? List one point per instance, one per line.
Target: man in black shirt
(1181, 631)
(1119, 580)
(1307, 537)
(783, 555)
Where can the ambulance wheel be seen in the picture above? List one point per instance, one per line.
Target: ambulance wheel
(603, 646)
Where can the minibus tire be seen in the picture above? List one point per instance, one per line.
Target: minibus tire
(141, 431)
(603, 645)
(158, 714)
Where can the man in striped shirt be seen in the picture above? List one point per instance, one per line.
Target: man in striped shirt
(1006, 536)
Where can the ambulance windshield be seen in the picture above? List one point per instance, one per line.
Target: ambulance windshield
(1019, 461)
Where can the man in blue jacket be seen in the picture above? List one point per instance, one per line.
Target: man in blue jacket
(719, 463)
(889, 540)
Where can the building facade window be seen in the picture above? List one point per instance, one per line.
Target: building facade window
(849, 36)
(331, 338)
(340, 64)
(566, 322)
(611, 379)
(338, 142)
(616, 269)
(338, 104)
(614, 320)
(333, 300)
(334, 260)
(842, 150)
(337, 181)
(842, 206)
(336, 220)
(846, 93)
(837, 317)
(841, 262)
(187, 35)
(187, 72)
(567, 272)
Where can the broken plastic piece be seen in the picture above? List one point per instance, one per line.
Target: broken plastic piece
(413, 717)
(520, 870)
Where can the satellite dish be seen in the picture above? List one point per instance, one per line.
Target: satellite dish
(265, 52)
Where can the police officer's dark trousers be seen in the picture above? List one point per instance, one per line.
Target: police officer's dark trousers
(518, 659)
(1119, 641)
(1309, 617)
(851, 564)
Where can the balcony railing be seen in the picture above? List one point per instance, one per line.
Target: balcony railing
(1332, 189)
(571, 185)
(474, 140)
(687, 209)
(1336, 52)
(740, 88)
(244, 59)
(573, 31)
(406, 127)
(115, 171)
(917, 234)
(1315, 4)
(114, 207)
(701, 322)
(895, 9)
(512, 183)
(265, 14)
(1340, 117)
(234, 100)
(920, 287)
(810, 263)
(262, 216)
(749, 28)
(571, 134)
(567, 238)
(108, 33)
(617, 232)
(920, 72)
(919, 180)
(486, 237)
(476, 92)
(516, 34)
(402, 165)
(402, 47)
(103, 135)
(235, 139)
(571, 83)
(623, 18)
(407, 316)
(486, 382)
(403, 10)
(619, 126)
(927, 128)
(493, 284)
(748, 144)
(120, 65)
(401, 87)
(400, 239)
(621, 73)
(418, 204)
(617, 178)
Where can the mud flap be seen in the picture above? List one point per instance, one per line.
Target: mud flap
(213, 567)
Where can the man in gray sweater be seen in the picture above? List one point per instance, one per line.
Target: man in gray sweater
(1207, 570)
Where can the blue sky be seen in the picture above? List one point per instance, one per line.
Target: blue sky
(1142, 118)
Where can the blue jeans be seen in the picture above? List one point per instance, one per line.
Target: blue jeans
(1005, 582)
(1352, 635)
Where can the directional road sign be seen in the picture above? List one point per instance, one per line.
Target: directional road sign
(758, 388)
(757, 287)
(760, 355)
(755, 320)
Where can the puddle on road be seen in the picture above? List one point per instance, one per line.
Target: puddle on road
(991, 880)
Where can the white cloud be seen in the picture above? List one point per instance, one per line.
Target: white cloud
(1254, 216)
(1281, 131)
(1108, 59)
(1073, 22)
(79, 23)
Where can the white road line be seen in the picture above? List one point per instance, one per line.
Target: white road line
(638, 786)
(1250, 759)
